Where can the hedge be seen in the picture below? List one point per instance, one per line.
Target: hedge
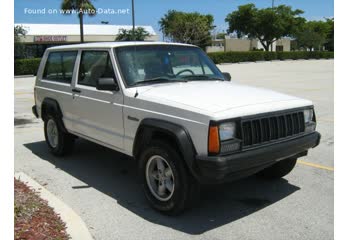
(30, 66)
(27, 66)
(253, 56)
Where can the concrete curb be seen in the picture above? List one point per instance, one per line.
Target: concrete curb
(275, 60)
(24, 76)
(76, 227)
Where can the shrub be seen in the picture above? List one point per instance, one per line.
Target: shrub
(285, 55)
(268, 56)
(234, 57)
(27, 66)
(253, 56)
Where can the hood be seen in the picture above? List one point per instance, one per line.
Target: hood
(214, 97)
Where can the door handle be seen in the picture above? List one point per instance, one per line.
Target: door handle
(76, 90)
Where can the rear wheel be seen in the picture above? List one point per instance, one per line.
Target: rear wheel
(58, 141)
(279, 169)
(167, 184)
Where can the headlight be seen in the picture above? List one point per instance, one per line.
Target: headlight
(308, 115)
(227, 131)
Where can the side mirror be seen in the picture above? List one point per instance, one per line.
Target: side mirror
(227, 76)
(107, 84)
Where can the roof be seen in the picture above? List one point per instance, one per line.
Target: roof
(113, 44)
(74, 29)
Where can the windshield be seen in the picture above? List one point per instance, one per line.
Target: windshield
(147, 64)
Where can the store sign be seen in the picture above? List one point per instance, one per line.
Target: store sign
(50, 38)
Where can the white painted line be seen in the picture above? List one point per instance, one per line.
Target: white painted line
(76, 227)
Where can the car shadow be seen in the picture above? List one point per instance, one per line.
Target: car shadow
(115, 174)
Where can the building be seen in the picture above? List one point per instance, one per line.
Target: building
(245, 44)
(41, 36)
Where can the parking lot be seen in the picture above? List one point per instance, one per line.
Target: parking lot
(101, 185)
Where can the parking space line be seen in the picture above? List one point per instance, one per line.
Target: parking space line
(23, 93)
(325, 120)
(315, 165)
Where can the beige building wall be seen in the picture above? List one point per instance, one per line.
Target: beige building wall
(285, 43)
(233, 44)
(210, 49)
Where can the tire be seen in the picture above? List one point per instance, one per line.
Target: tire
(63, 143)
(279, 169)
(184, 189)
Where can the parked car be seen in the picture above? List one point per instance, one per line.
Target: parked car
(168, 106)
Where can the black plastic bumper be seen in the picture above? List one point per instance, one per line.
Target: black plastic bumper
(35, 112)
(216, 169)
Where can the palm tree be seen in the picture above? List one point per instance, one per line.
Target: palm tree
(81, 7)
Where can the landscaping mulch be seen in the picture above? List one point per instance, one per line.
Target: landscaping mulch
(34, 219)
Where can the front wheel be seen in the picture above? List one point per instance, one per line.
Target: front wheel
(279, 169)
(167, 184)
(58, 141)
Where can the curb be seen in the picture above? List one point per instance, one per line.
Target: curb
(23, 76)
(274, 60)
(76, 227)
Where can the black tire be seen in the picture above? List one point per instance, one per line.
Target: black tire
(279, 169)
(186, 188)
(65, 141)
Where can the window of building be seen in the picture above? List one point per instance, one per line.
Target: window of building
(279, 48)
(60, 66)
(94, 65)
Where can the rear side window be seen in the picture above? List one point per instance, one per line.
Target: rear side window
(94, 65)
(59, 66)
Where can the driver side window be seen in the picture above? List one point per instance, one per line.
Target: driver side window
(94, 65)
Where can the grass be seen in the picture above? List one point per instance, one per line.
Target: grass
(34, 219)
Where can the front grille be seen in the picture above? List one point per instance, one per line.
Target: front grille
(271, 128)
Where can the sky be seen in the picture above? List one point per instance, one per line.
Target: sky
(149, 12)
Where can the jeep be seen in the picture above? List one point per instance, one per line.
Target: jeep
(170, 108)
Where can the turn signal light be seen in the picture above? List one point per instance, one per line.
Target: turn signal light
(213, 140)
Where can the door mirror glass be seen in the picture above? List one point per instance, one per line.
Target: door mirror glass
(227, 76)
(106, 84)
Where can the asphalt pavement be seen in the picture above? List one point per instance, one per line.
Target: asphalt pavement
(101, 185)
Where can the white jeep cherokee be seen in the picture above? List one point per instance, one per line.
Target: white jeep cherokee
(169, 107)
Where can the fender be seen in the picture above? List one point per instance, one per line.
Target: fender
(149, 128)
(52, 107)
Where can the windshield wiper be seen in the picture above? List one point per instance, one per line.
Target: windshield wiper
(158, 80)
(202, 78)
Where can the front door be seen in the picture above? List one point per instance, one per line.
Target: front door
(98, 114)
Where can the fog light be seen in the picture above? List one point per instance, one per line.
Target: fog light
(310, 127)
(230, 146)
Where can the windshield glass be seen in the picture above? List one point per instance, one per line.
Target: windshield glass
(147, 64)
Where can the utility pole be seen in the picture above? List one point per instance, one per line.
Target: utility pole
(273, 6)
(133, 19)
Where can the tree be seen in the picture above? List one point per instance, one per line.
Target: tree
(81, 7)
(126, 35)
(19, 32)
(330, 34)
(267, 25)
(220, 36)
(193, 28)
(312, 35)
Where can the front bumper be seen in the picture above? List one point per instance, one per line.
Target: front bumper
(217, 169)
